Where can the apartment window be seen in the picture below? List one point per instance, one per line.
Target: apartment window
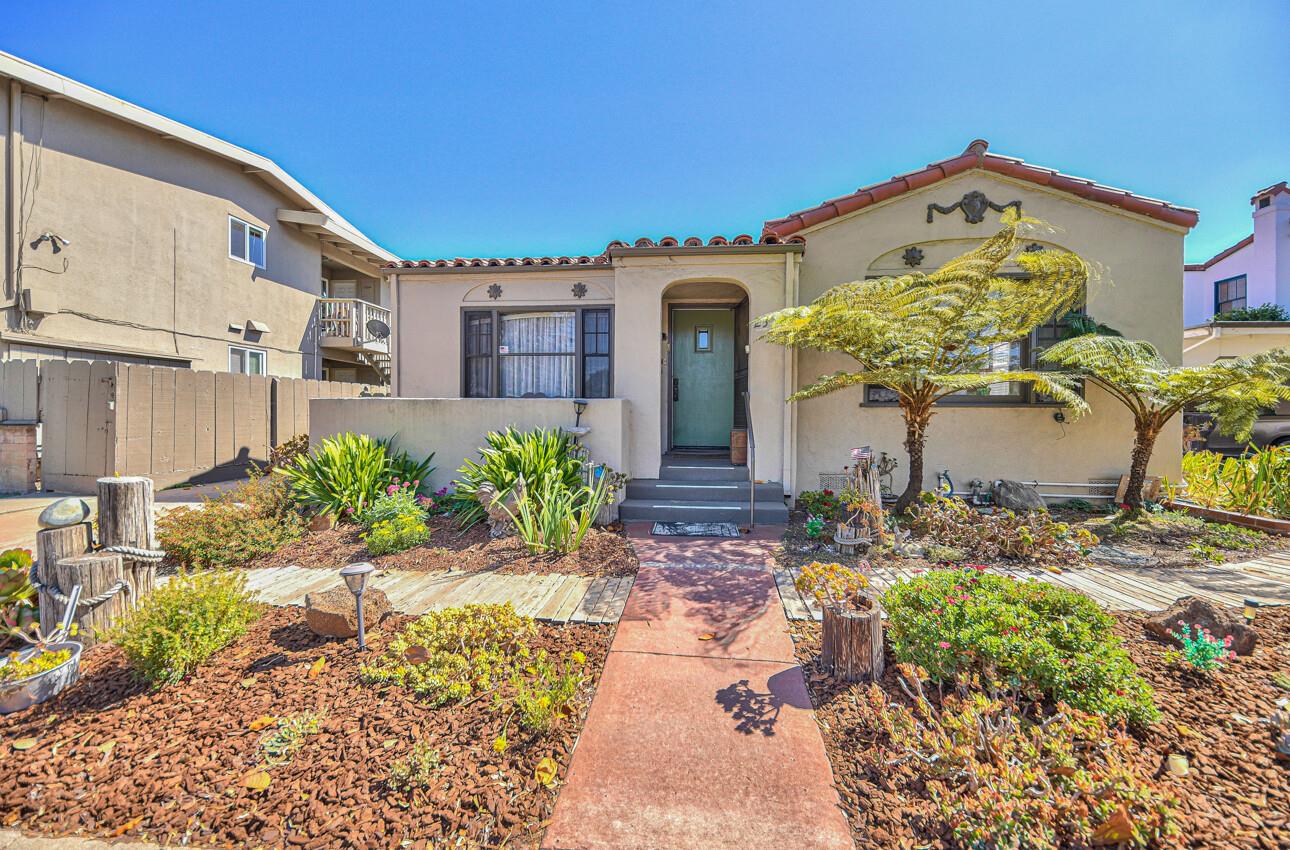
(1229, 295)
(559, 353)
(247, 361)
(246, 242)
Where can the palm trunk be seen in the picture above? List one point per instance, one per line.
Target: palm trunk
(917, 417)
(1143, 444)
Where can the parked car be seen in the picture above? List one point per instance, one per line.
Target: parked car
(1272, 429)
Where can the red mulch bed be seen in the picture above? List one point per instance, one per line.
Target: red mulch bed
(115, 759)
(603, 553)
(1236, 795)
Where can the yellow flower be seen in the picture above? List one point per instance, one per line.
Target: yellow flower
(500, 744)
(579, 657)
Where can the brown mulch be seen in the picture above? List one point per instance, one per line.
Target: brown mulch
(1236, 795)
(114, 759)
(603, 552)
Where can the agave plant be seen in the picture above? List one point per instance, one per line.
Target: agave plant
(511, 455)
(346, 473)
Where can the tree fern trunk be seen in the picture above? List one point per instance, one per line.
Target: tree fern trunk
(1143, 444)
(916, 419)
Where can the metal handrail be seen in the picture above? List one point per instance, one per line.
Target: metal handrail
(752, 464)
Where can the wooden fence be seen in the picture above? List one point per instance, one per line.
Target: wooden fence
(173, 425)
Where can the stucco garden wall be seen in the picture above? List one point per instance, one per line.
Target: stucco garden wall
(454, 428)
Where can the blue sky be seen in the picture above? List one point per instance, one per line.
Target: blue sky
(483, 129)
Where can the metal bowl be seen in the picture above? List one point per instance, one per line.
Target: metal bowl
(33, 690)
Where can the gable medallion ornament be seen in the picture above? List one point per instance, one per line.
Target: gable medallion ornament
(913, 256)
(495, 291)
(974, 206)
(579, 290)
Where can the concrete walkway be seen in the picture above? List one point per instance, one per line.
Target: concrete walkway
(701, 733)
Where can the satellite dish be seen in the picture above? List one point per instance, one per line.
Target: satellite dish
(378, 329)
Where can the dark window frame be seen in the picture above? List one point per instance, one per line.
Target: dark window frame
(580, 354)
(1219, 301)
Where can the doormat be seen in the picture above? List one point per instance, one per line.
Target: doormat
(695, 529)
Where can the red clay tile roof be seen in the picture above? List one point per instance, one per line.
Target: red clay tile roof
(601, 259)
(1221, 255)
(976, 156)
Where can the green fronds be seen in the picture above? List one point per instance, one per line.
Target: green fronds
(927, 335)
(1234, 391)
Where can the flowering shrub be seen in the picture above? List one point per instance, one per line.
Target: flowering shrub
(1201, 649)
(1034, 537)
(346, 473)
(1036, 638)
(545, 694)
(253, 519)
(1003, 777)
(396, 535)
(835, 585)
(823, 503)
(399, 499)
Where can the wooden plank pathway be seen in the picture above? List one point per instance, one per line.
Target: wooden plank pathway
(1265, 580)
(550, 597)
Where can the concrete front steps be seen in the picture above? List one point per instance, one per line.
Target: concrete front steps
(701, 490)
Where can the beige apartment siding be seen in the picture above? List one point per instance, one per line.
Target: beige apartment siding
(1233, 342)
(148, 224)
(1141, 264)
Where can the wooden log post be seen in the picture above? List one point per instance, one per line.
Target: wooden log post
(52, 546)
(98, 573)
(852, 643)
(126, 519)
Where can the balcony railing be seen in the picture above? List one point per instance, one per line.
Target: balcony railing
(343, 323)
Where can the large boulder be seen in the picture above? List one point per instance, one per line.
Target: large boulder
(1017, 497)
(1219, 620)
(332, 613)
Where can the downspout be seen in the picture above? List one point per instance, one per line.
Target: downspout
(395, 360)
(790, 372)
(13, 192)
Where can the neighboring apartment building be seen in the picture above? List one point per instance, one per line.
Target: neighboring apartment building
(136, 238)
(665, 327)
(1253, 272)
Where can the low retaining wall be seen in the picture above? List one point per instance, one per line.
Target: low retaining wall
(454, 428)
(1262, 523)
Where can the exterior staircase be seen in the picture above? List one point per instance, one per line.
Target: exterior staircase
(378, 360)
(701, 489)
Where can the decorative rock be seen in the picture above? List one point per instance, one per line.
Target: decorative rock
(332, 613)
(61, 513)
(320, 522)
(1018, 497)
(1218, 620)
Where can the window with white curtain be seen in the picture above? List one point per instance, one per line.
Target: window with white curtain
(559, 353)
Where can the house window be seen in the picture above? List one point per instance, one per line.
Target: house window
(537, 354)
(247, 361)
(246, 242)
(1229, 295)
(702, 339)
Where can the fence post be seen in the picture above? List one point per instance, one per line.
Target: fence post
(126, 522)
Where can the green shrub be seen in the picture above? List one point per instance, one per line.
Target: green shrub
(399, 499)
(449, 655)
(1043, 640)
(1261, 313)
(397, 535)
(183, 623)
(553, 517)
(347, 473)
(510, 455)
(416, 772)
(545, 694)
(1258, 483)
(254, 519)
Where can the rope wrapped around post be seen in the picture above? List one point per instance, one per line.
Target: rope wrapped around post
(88, 602)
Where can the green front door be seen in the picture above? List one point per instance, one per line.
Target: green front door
(703, 377)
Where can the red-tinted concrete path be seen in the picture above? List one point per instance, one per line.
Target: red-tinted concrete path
(701, 734)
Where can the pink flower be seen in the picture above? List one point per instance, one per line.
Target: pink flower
(916, 572)
(1227, 641)
(1232, 655)
(396, 479)
(936, 610)
(391, 490)
(944, 644)
(416, 483)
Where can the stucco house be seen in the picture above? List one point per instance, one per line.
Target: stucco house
(133, 237)
(1250, 273)
(656, 335)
